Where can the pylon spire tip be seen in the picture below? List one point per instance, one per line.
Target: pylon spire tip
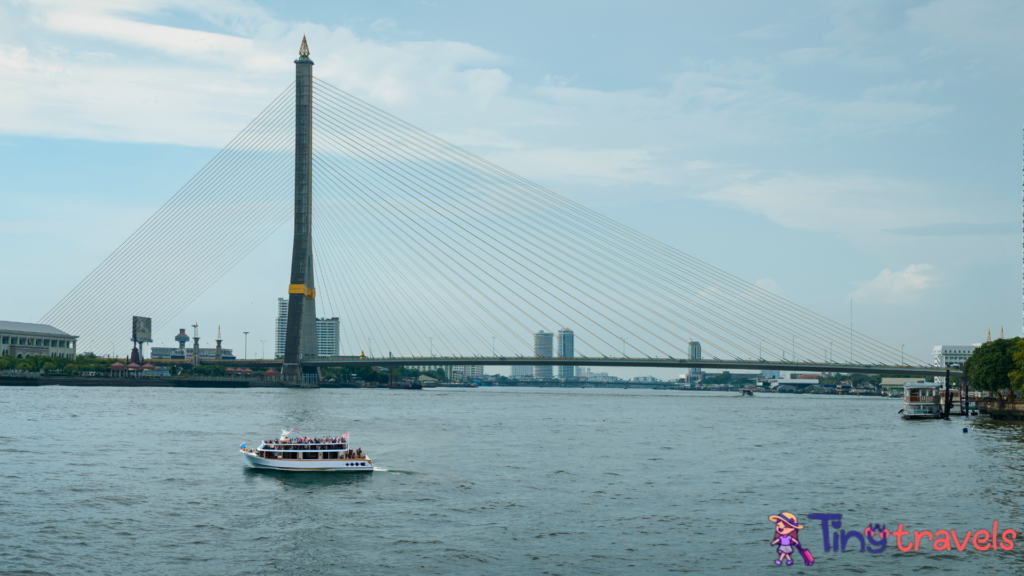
(304, 49)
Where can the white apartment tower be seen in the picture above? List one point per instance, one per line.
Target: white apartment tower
(327, 345)
(280, 326)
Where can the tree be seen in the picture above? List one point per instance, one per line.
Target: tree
(833, 378)
(1017, 376)
(4, 364)
(49, 366)
(990, 366)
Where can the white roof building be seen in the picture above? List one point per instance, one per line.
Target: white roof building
(952, 356)
(21, 339)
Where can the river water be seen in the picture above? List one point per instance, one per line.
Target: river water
(489, 481)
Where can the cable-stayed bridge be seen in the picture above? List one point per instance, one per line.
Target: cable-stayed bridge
(432, 255)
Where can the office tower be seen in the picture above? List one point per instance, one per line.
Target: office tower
(695, 355)
(566, 344)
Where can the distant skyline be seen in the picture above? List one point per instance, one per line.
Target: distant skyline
(829, 152)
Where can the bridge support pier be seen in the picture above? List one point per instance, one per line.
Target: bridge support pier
(300, 332)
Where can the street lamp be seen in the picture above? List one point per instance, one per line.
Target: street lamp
(263, 354)
(759, 357)
(901, 354)
(492, 346)
(245, 356)
(624, 339)
(369, 342)
(431, 346)
(830, 352)
(112, 354)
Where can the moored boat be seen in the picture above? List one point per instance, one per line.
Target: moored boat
(307, 454)
(921, 400)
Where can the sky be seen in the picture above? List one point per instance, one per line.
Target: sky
(832, 152)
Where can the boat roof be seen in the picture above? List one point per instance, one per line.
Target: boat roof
(922, 385)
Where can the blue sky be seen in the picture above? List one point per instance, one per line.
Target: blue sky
(828, 151)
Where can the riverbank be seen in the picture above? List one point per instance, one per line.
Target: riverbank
(86, 381)
(1002, 409)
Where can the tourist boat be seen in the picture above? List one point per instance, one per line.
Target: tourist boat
(296, 454)
(921, 400)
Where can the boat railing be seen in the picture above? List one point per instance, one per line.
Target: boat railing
(305, 447)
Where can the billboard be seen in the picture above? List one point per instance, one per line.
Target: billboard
(142, 329)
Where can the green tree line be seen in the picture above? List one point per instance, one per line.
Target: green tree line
(996, 365)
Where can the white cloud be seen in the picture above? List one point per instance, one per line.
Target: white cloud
(770, 285)
(901, 90)
(146, 82)
(597, 167)
(973, 23)
(891, 286)
(854, 204)
(175, 41)
(816, 55)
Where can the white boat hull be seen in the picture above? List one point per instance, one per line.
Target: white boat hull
(352, 465)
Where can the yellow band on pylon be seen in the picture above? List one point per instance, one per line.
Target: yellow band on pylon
(296, 288)
(311, 293)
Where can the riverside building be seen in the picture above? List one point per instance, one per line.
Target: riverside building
(182, 353)
(21, 339)
(951, 356)
(519, 371)
(543, 347)
(463, 373)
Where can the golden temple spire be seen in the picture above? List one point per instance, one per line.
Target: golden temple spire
(989, 335)
(304, 49)
(1000, 332)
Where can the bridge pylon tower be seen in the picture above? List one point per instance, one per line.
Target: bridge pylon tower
(300, 332)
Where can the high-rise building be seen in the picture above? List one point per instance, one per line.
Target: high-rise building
(695, 355)
(566, 349)
(543, 347)
(327, 333)
(280, 327)
(327, 345)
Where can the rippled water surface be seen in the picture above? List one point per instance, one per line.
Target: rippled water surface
(488, 481)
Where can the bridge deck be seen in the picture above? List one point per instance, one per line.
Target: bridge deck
(356, 362)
